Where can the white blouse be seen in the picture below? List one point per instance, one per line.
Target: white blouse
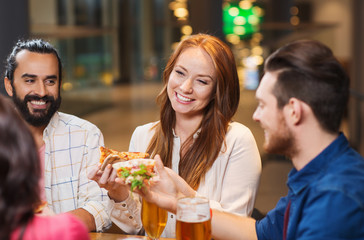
(230, 184)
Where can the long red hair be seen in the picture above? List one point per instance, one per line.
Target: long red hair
(198, 155)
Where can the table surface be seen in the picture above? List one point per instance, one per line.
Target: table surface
(114, 236)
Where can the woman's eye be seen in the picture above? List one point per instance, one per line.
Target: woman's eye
(202, 81)
(179, 72)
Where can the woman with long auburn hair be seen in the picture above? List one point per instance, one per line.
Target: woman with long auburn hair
(196, 136)
(19, 186)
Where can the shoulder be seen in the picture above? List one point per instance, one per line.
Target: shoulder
(141, 137)
(334, 209)
(339, 173)
(236, 127)
(146, 128)
(59, 219)
(239, 132)
(75, 228)
(344, 179)
(62, 226)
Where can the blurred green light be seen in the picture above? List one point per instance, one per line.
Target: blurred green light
(242, 22)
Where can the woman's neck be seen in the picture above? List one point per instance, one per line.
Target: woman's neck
(185, 127)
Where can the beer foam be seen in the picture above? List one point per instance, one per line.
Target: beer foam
(193, 218)
(193, 210)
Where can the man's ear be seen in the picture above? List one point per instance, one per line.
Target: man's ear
(8, 86)
(294, 111)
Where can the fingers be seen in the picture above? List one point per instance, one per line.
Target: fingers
(159, 167)
(113, 176)
(120, 181)
(104, 179)
(92, 175)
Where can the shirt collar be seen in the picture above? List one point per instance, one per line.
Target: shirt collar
(51, 125)
(195, 135)
(298, 180)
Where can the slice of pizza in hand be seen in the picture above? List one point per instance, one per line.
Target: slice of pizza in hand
(135, 172)
(110, 156)
(111, 159)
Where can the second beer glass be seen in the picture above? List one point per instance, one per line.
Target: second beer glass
(193, 219)
(154, 219)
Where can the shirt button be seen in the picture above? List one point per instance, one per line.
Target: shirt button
(123, 205)
(171, 216)
(130, 217)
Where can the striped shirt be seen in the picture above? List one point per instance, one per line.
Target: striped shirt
(71, 151)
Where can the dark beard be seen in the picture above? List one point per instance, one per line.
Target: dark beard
(40, 117)
(281, 145)
(282, 142)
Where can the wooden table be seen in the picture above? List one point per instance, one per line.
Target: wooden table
(114, 236)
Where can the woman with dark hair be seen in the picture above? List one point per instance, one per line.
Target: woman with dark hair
(196, 136)
(19, 186)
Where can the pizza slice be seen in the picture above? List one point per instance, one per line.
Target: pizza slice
(110, 156)
(135, 172)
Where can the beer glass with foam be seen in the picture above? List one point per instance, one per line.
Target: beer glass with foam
(154, 219)
(193, 219)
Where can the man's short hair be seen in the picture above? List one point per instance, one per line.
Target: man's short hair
(307, 70)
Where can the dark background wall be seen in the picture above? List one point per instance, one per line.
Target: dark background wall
(356, 105)
(14, 24)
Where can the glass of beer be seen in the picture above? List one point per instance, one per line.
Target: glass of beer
(154, 219)
(193, 219)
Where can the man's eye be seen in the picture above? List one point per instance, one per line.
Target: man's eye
(29, 80)
(50, 82)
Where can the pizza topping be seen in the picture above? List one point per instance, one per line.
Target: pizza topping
(135, 172)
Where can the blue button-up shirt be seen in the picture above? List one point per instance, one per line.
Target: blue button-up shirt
(327, 198)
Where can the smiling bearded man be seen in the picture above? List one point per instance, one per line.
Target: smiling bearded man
(38, 117)
(67, 145)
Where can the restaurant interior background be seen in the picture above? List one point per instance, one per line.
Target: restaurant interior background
(114, 53)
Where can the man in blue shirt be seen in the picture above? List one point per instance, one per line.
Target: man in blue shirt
(302, 99)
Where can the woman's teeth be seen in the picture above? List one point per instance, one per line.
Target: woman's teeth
(185, 99)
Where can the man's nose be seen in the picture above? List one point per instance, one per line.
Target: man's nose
(41, 89)
(256, 115)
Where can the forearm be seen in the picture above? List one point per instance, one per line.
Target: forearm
(230, 226)
(118, 195)
(85, 217)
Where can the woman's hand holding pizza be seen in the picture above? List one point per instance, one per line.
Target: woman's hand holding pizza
(165, 188)
(162, 188)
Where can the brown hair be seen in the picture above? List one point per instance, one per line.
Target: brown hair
(199, 154)
(19, 171)
(307, 70)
